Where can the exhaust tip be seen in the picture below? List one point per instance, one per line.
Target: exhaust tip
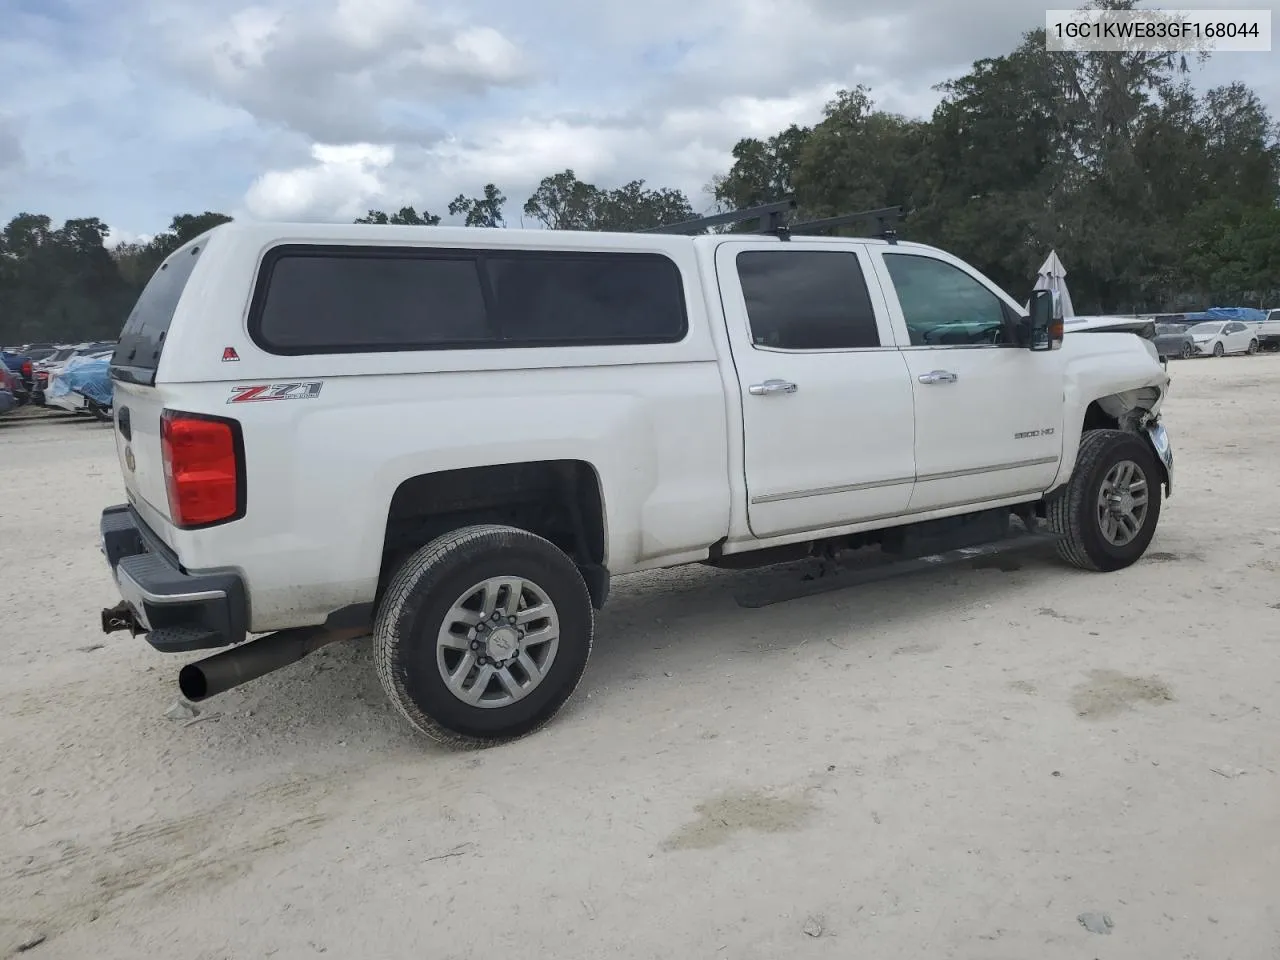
(193, 683)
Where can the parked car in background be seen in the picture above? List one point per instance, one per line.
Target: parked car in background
(1249, 316)
(1268, 332)
(19, 364)
(1174, 341)
(43, 369)
(8, 391)
(56, 362)
(82, 385)
(1218, 338)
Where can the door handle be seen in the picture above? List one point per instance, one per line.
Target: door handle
(938, 376)
(771, 386)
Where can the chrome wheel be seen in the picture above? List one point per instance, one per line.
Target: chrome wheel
(1253, 347)
(497, 642)
(1187, 351)
(1122, 503)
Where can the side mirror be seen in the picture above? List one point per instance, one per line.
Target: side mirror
(1045, 328)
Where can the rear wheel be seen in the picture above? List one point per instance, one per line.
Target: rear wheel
(1108, 512)
(483, 634)
(1253, 347)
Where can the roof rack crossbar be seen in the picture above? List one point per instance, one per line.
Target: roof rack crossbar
(770, 216)
(886, 220)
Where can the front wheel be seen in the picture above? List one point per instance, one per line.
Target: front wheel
(1253, 347)
(1108, 512)
(1187, 351)
(1219, 350)
(483, 634)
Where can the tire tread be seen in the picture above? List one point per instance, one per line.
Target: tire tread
(430, 562)
(1067, 512)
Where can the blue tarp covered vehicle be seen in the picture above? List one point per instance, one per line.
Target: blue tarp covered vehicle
(83, 377)
(1243, 314)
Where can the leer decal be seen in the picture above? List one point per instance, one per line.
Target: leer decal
(260, 392)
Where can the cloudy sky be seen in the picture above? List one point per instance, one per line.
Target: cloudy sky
(133, 110)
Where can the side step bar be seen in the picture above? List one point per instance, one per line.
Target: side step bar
(844, 579)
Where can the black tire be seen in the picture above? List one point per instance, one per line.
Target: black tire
(414, 608)
(1253, 347)
(1219, 350)
(1187, 351)
(1073, 514)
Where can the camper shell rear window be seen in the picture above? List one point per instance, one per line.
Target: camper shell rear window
(137, 354)
(312, 299)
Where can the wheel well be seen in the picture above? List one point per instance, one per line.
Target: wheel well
(556, 499)
(1095, 418)
(1121, 411)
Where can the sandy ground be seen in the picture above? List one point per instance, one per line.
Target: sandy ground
(958, 765)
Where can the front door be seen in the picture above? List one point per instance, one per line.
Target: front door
(988, 413)
(827, 405)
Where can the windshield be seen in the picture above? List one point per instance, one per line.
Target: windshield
(1205, 328)
(1167, 330)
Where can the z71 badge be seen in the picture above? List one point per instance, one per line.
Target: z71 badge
(260, 392)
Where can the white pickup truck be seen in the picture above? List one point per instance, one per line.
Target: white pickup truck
(453, 438)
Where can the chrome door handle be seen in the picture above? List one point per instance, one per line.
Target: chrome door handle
(771, 386)
(938, 376)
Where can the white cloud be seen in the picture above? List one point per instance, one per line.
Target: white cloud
(320, 109)
(326, 68)
(341, 183)
(116, 238)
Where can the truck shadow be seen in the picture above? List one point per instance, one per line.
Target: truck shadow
(333, 697)
(697, 610)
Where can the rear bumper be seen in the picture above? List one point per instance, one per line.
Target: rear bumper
(177, 611)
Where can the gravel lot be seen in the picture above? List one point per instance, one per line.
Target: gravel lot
(959, 765)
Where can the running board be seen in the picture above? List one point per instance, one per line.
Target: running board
(842, 580)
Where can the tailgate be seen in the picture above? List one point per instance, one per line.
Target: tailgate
(137, 416)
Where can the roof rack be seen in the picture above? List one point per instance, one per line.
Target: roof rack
(886, 220)
(771, 217)
(769, 214)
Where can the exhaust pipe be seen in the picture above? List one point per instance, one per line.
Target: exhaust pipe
(249, 661)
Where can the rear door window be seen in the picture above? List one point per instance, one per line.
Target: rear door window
(137, 354)
(807, 300)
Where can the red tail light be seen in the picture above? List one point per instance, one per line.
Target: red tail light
(203, 468)
(26, 369)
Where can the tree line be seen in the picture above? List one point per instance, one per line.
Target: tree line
(1156, 197)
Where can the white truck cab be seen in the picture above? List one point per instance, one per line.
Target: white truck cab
(453, 438)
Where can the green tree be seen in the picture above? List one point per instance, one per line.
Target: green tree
(633, 206)
(858, 158)
(484, 211)
(405, 216)
(763, 170)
